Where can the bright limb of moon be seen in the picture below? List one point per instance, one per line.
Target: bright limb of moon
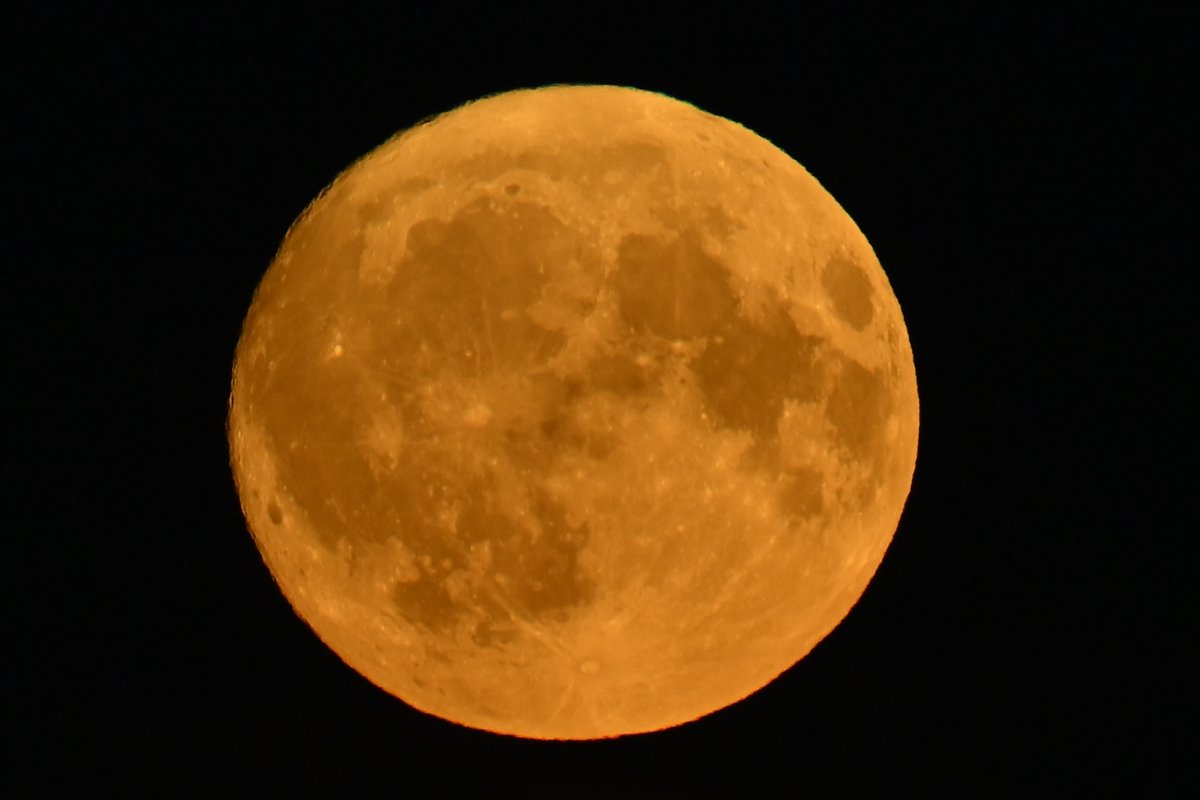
(574, 412)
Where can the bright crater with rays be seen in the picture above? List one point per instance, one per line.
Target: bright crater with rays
(574, 412)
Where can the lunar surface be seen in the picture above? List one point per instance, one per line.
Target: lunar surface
(572, 413)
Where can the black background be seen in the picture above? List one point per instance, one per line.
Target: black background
(1026, 180)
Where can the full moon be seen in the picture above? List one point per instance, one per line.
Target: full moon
(574, 412)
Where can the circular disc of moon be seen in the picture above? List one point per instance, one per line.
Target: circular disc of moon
(574, 412)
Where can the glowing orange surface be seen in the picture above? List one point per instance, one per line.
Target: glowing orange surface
(575, 412)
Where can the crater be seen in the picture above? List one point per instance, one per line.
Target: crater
(849, 289)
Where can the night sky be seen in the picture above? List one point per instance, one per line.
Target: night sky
(1027, 183)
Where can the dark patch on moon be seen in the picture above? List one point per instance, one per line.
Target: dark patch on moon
(858, 408)
(746, 372)
(465, 285)
(531, 571)
(671, 288)
(850, 290)
(802, 492)
(426, 602)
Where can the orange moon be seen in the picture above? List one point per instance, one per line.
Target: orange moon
(574, 412)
